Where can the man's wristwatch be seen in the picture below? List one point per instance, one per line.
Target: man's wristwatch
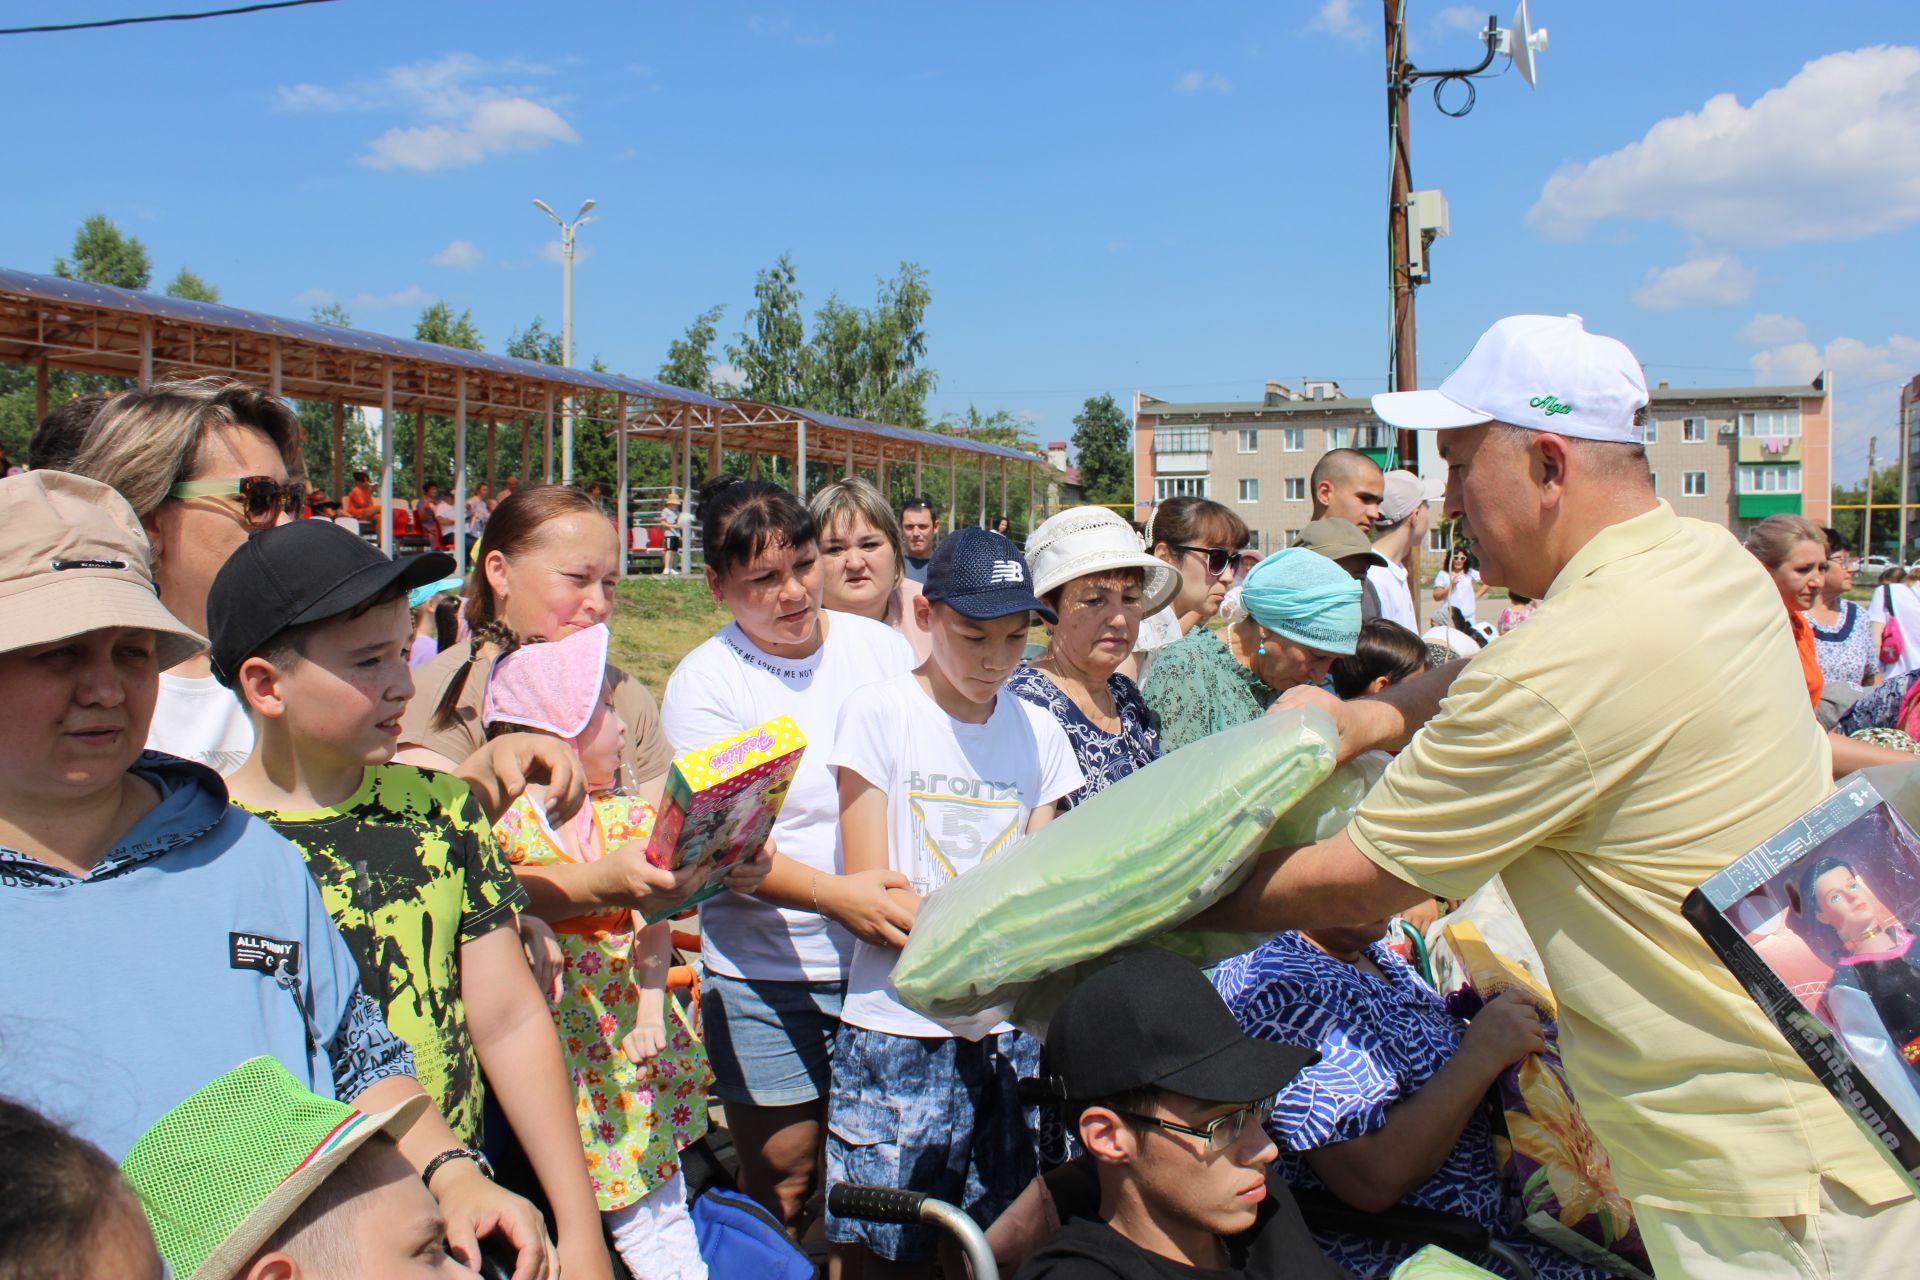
(456, 1153)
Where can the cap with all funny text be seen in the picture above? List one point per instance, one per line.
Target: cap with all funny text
(981, 574)
(1544, 373)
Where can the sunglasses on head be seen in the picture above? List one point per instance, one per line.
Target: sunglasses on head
(1219, 559)
(262, 498)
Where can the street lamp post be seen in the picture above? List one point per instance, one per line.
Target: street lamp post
(567, 229)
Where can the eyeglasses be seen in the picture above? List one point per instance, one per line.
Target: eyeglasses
(262, 497)
(1219, 559)
(1219, 1133)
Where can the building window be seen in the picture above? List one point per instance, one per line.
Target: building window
(1650, 433)
(1436, 539)
(1765, 479)
(1337, 437)
(1769, 423)
(1180, 487)
(1296, 488)
(1655, 477)
(1293, 439)
(1693, 483)
(1249, 491)
(1293, 536)
(1249, 440)
(1694, 431)
(1372, 435)
(1180, 440)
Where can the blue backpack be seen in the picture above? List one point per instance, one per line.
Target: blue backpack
(740, 1240)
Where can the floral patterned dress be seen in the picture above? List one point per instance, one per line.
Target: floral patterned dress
(632, 1129)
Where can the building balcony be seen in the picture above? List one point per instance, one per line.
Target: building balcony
(1758, 506)
(1176, 464)
(1775, 450)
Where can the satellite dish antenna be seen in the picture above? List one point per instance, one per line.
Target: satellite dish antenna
(1520, 42)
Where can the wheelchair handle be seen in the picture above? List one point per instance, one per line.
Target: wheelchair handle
(892, 1204)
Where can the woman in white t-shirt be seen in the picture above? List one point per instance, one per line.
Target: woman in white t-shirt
(479, 509)
(1460, 587)
(777, 963)
(1896, 599)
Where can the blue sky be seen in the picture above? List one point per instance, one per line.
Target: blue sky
(1181, 199)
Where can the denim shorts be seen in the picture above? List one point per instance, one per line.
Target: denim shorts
(771, 1043)
(941, 1116)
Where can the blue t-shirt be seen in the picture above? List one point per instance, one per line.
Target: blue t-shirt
(198, 942)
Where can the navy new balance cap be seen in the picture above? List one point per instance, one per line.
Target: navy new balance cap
(981, 574)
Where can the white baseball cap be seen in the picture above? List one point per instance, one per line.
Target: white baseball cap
(1546, 373)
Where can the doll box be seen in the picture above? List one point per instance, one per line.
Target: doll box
(721, 800)
(1817, 924)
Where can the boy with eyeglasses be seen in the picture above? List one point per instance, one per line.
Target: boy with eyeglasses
(1170, 1100)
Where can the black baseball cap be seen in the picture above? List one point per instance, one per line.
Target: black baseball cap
(295, 573)
(981, 574)
(1153, 1020)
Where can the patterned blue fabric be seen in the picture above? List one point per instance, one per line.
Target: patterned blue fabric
(1845, 651)
(1379, 1043)
(1104, 757)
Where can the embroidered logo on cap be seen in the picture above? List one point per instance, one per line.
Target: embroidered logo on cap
(1550, 406)
(1007, 571)
(58, 565)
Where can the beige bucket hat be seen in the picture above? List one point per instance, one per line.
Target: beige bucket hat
(74, 559)
(1084, 540)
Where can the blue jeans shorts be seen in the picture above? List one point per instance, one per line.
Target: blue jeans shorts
(942, 1116)
(771, 1043)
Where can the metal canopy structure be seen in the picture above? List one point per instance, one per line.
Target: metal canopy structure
(51, 322)
(809, 436)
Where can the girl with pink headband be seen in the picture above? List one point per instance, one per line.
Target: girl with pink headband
(642, 1095)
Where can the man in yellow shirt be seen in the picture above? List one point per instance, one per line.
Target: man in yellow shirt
(1647, 727)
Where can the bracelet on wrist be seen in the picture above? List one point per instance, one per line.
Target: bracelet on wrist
(456, 1153)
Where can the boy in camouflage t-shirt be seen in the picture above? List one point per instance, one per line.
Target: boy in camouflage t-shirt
(310, 629)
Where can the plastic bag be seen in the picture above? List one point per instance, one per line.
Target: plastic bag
(1139, 857)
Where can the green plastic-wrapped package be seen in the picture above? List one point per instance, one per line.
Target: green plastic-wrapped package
(1125, 866)
(1435, 1263)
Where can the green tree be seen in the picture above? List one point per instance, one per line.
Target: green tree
(689, 362)
(102, 254)
(1886, 511)
(772, 353)
(1103, 446)
(192, 288)
(438, 323)
(538, 343)
(359, 451)
(896, 385)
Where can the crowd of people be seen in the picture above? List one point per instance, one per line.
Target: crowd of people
(323, 883)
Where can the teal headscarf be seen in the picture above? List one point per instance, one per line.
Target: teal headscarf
(1306, 598)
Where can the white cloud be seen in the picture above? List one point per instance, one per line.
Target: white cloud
(1717, 280)
(1770, 329)
(783, 29)
(461, 255)
(1336, 18)
(1816, 159)
(1199, 81)
(411, 296)
(1461, 17)
(494, 128)
(467, 109)
(729, 375)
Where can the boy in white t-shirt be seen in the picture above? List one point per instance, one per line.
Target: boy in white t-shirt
(939, 770)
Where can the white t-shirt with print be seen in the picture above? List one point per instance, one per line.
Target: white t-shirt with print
(957, 794)
(197, 718)
(1460, 588)
(728, 685)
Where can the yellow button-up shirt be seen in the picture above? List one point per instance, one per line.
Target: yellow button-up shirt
(1645, 728)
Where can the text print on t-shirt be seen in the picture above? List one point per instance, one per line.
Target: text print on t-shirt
(958, 822)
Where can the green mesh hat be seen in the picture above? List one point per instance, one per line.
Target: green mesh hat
(222, 1171)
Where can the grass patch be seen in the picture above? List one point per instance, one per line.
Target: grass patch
(658, 621)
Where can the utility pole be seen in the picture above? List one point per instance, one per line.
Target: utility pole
(1866, 525)
(1403, 363)
(567, 230)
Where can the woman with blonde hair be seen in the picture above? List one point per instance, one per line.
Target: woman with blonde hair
(1794, 551)
(863, 559)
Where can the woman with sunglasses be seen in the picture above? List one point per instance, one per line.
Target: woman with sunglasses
(1205, 543)
(204, 464)
(1299, 611)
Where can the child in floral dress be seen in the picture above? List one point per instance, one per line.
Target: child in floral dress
(640, 1075)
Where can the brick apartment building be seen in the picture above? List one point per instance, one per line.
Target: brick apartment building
(1731, 455)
